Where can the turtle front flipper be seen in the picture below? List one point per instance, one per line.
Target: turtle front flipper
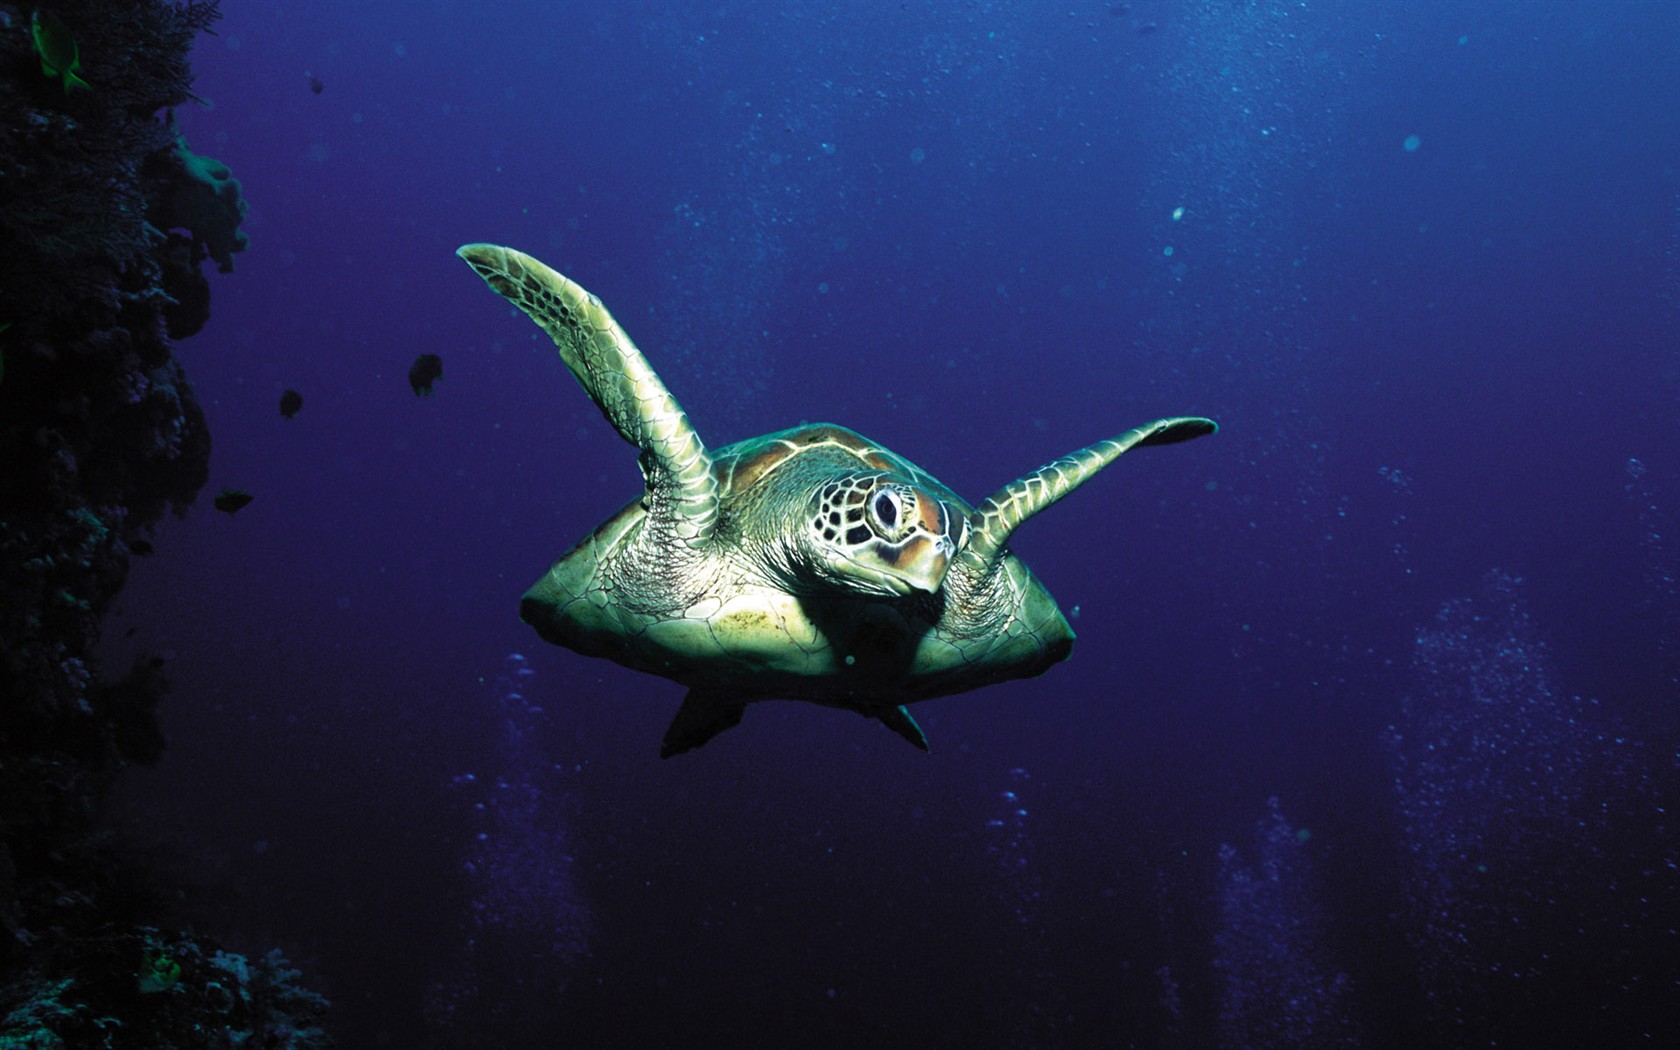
(1004, 510)
(617, 378)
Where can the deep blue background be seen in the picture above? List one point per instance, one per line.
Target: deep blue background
(950, 227)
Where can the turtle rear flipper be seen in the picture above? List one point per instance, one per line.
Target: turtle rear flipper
(899, 721)
(617, 378)
(1004, 510)
(703, 715)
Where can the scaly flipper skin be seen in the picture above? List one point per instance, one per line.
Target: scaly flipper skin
(1004, 510)
(618, 378)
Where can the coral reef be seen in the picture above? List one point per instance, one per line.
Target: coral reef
(142, 987)
(100, 433)
(202, 196)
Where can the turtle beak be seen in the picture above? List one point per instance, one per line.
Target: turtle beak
(923, 565)
(920, 563)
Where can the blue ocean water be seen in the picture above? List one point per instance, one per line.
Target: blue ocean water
(1370, 734)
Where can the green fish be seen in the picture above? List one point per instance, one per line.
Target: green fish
(60, 57)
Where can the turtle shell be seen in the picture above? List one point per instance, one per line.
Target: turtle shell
(724, 625)
(744, 464)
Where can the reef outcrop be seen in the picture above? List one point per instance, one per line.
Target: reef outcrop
(100, 434)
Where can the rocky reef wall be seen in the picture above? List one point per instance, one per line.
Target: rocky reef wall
(106, 216)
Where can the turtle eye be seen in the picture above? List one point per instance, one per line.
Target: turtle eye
(886, 510)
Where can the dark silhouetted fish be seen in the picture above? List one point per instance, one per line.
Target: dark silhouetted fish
(315, 84)
(290, 402)
(230, 501)
(140, 546)
(427, 369)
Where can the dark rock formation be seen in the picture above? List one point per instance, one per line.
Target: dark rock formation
(100, 433)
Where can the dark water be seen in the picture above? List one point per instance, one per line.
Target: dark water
(1370, 735)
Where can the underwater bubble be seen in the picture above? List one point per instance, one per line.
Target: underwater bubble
(1278, 982)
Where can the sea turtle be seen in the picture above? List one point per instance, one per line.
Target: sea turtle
(807, 564)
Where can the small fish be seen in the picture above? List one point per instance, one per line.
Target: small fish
(230, 501)
(290, 402)
(426, 370)
(140, 546)
(315, 84)
(56, 47)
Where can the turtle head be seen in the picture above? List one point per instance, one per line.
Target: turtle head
(874, 533)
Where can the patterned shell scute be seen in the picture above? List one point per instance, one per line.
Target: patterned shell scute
(740, 466)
